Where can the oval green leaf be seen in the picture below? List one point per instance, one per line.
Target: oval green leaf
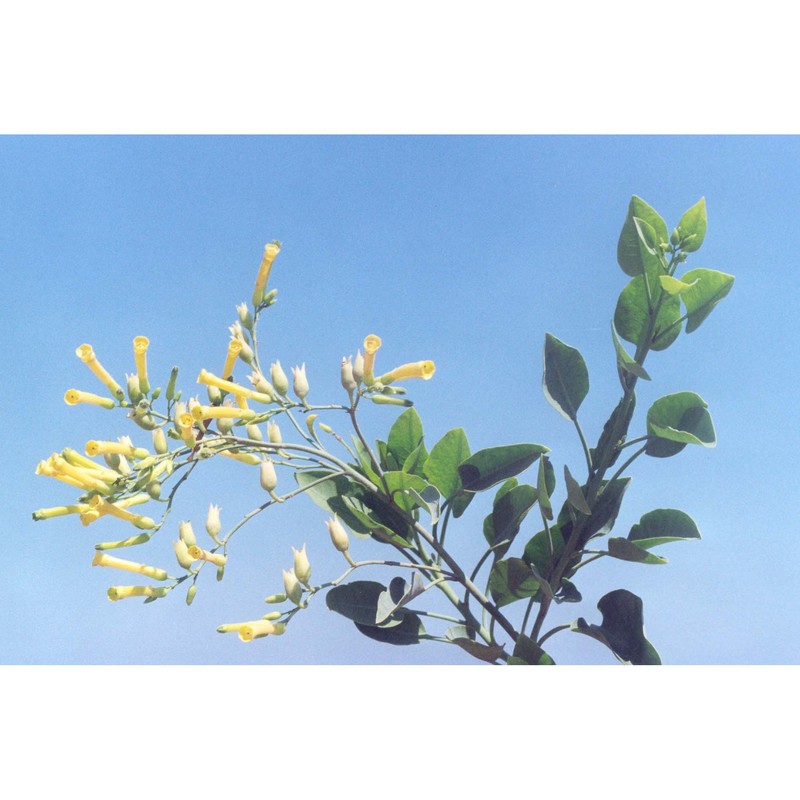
(494, 464)
(632, 316)
(405, 435)
(511, 580)
(680, 419)
(708, 288)
(692, 227)
(358, 601)
(632, 255)
(566, 379)
(441, 466)
(661, 526)
(627, 551)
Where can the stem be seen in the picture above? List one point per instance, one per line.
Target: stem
(627, 463)
(549, 633)
(586, 452)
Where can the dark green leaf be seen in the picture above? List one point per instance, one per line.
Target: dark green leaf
(365, 461)
(575, 493)
(622, 630)
(458, 634)
(632, 315)
(387, 459)
(537, 550)
(460, 503)
(495, 464)
(567, 593)
(528, 653)
(441, 466)
(627, 551)
(605, 511)
(511, 580)
(507, 515)
(409, 631)
(632, 255)
(608, 447)
(661, 526)
(692, 227)
(506, 487)
(330, 495)
(364, 520)
(566, 380)
(709, 288)
(358, 601)
(677, 420)
(625, 361)
(405, 435)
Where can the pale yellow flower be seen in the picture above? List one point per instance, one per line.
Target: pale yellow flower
(122, 592)
(198, 554)
(270, 251)
(86, 354)
(104, 560)
(235, 389)
(371, 346)
(73, 397)
(417, 369)
(140, 345)
(234, 348)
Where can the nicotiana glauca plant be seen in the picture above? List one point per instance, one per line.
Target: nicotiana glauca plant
(398, 492)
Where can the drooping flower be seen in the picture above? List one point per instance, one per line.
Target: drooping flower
(417, 369)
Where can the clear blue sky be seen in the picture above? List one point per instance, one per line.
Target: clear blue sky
(465, 250)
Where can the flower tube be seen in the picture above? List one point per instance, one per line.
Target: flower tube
(140, 345)
(123, 448)
(270, 251)
(86, 354)
(418, 369)
(209, 379)
(104, 507)
(104, 560)
(221, 412)
(371, 346)
(59, 511)
(198, 554)
(73, 397)
(234, 346)
(122, 592)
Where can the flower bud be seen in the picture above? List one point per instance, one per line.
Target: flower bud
(275, 598)
(310, 420)
(358, 367)
(302, 567)
(213, 524)
(675, 237)
(279, 379)
(190, 594)
(269, 480)
(173, 378)
(261, 385)
(214, 395)
(300, 382)
(225, 426)
(160, 442)
(270, 252)
(156, 393)
(134, 390)
(254, 432)
(383, 400)
(182, 554)
(273, 615)
(339, 537)
(348, 380)
(245, 317)
(153, 488)
(186, 533)
(292, 587)
(274, 433)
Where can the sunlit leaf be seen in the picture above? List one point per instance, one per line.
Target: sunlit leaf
(405, 435)
(510, 580)
(632, 315)
(709, 287)
(692, 227)
(628, 551)
(632, 255)
(625, 361)
(661, 526)
(566, 379)
(441, 466)
(677, 420)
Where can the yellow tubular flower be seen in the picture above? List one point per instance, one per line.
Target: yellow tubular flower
(371, 346)
(72, 397)
(270, 251)
(98, 448)
(88, 480)
(256, 630)
(104, 560)
(121, 592)
(234, 346)
(182, 553)
(104, 507)
(241, 402)
(198, 554)
(221, 412)
(418, 369)
(208, 379)
(231, 627)
(245, 458)
(86, 354)
(59, 511)
(90, 516)
(140, 345)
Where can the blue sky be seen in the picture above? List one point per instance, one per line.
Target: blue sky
(464, 250)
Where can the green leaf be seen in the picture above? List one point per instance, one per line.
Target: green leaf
(362, 520)
(495, 464)
(458, 634)
(541, 487)
(386, 458)
(409, 631)
(330, 496)
(460, 503)
(627, 551)
(397, 595)
(673, 286)
(507, 515)
(416, 459)
(575, 493)
(365, 461)
(709, 287)
(429, 500)
(399, 482)
(511, 580)
(566, 379)
(622, 630)
(632, 316)
(441, 466)
(677, 420)
(506, 487)
(625, 361)
(405, 435)
(692, 227)
(608, 449)
(632, 255)
(647, 235)
(528, 653)
(661, 526)
(358, 601)
(567, 593)
(605, 511)
(537, 550)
